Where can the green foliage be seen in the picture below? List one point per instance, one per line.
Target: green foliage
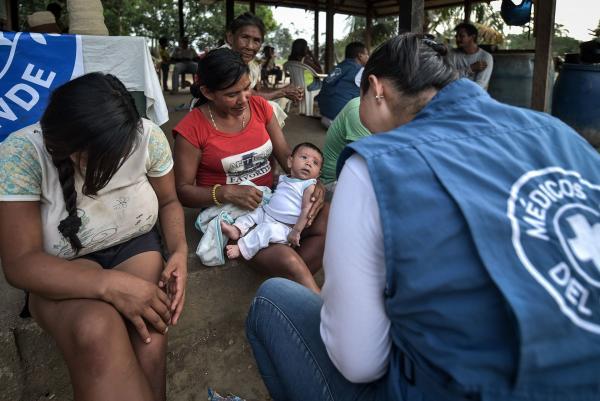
(281, 39)
(203, 24)
(441, 23)
(596, 32)
(382, 30)
(561, 43)
(28, 7)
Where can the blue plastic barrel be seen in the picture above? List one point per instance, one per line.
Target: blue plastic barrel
(576, 99)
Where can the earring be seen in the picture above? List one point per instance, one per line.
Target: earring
(378, 97)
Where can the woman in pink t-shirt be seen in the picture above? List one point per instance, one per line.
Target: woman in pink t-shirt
(229, 137)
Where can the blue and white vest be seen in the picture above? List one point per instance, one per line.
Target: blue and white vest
(338, 88)
(491, 225)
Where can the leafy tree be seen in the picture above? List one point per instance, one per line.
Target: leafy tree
(441, 23)
(28, 7)
(561, 42)
(382, 30)
(281, 39)
(596, 32)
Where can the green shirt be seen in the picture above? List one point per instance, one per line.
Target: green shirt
(345, 128)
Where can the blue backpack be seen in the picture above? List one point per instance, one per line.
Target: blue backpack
(516, 15)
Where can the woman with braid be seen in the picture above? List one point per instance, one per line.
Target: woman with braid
(80, 195)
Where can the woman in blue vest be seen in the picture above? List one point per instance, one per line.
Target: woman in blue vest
(462, 259)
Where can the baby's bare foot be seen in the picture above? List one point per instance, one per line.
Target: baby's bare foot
(231, 231)
(233, 251)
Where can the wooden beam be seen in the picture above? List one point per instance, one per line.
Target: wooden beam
(316, 32)
(253, 6)
(369, 27)
(544, 30)
(228, 12)
(468, 4)
(13, 15)
(329, 57)
(412, 14)
(181, 21)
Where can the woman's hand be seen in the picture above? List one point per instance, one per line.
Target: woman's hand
(317, 199)
(243, 196)
(293, 92)
(140, 301)
(173, 280)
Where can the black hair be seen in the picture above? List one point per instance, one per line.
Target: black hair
(268, 48)
(299, 50)
(246, 19)
(219, 69)
(163, 41)
(55, 9)
(412, 63)
(353, 49)
(95, 115)
(470, 29)
(307, 145)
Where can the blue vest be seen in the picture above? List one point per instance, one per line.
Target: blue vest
(338, 88)
(491, 224)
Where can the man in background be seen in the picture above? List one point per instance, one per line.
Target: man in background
(343, 83)
(469, 59)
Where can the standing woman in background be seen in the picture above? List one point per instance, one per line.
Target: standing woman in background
(80, 195)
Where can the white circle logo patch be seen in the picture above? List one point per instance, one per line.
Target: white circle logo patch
(555, 220)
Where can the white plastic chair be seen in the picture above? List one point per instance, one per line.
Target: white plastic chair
(296, 71)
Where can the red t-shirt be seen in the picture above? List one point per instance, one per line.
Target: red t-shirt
(231, 158)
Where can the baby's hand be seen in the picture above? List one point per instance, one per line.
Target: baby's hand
(294, 237)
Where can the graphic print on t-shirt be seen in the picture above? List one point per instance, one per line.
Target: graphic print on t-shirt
(249, 165)
(555, 218)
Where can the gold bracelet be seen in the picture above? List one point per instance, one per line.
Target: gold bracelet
(214, 194)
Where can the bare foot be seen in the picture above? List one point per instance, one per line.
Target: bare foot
(231, 231)
(233, 251)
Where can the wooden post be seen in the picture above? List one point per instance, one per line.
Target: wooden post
(13, 13)
(181, 22)
(316, 32)
(253, 6)
(228, 12)
(412, 13)
(468, 7)
(369, 27)
(329, 57)
(544, 30)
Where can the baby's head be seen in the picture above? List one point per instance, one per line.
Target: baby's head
(306, 161)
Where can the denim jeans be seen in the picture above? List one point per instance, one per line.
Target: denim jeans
(283, 330)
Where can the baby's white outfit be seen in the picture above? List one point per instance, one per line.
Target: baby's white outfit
(275, 220)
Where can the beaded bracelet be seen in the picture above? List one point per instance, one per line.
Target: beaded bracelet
(214, 194)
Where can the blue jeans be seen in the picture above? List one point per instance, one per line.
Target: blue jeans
(283, 330)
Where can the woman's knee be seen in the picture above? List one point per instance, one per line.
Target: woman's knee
(96, 332)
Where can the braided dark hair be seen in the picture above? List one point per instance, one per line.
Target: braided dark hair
(103, 123)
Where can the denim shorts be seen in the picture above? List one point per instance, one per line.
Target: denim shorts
(110, 257)
(113, 256)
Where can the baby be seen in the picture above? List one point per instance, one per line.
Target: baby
(282, 220)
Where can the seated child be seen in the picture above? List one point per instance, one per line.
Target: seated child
(284, 217)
